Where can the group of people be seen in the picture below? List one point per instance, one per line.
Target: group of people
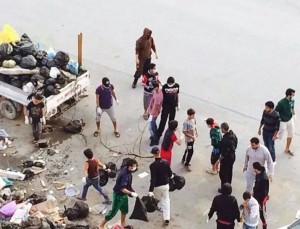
(163, 100)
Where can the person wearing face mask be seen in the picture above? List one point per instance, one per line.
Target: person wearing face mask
(148, 80)
(122, 190)
(256, 153)
(104, 103)
(159, 184)
(286, 110)
(143, 48)
(170, 104)
(270, 122)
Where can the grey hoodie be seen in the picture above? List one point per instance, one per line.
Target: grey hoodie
(251, 213)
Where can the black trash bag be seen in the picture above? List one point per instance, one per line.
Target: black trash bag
(5, 50)
(113, 169)
(28, 62)
(179, 182)
(28, 174)
(61, 59)
(50, 90)
(74, 126)
(36, 199)
(45, 72)
(124, 162)
(72, 226)
(103, 177)
(60, 80)
(50, 81)
(139, 212)
(4, 78)
(27, 48)
(16, 82)
(80, 210)
(150, 203)
(40, 54)
(48, 62)
(51, 63)
(25, 37)
(17, 58)
(27, 164)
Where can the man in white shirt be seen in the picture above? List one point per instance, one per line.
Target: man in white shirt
(257, 153)
(250, 208)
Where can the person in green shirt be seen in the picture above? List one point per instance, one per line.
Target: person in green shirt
(285, 108)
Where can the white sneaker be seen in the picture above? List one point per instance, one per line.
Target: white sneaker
(3, 146)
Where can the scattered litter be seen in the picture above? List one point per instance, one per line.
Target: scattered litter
(59, 185)
(143, 174)
(71, 191)
(12, 175)
(43, 183)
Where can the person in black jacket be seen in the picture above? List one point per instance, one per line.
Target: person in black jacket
(226, 207)
(227, 147)
(261, 190)
(159, 183)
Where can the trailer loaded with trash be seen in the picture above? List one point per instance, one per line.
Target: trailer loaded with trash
(26, 69)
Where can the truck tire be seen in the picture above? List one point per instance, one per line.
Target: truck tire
(8, 109)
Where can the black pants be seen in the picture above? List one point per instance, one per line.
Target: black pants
(167, 111)
(142, 68)
(223, 226)
(262, 214)
(226, 170)
(188, 153)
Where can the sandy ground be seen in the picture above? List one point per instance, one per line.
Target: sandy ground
(229, 57)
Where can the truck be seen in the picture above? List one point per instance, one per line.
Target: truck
(13, 99)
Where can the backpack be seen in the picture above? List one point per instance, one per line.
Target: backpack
(80, 210)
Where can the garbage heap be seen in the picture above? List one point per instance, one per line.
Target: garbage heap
(23, 62)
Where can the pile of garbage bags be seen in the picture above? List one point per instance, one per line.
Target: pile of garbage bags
(48, 71)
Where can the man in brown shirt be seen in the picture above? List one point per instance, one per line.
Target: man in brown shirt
(143, 54)
(91, 167)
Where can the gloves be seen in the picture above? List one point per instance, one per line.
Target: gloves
(178, 107)
(103, 166)
(117, 102)
(207, 219)
(134, 195)
(43, 120)
(83, 180)
(172, 176)
(151, 194)
(26, 120)
(99, 111)
(182, 137)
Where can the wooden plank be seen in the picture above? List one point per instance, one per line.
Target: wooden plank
(80, 49)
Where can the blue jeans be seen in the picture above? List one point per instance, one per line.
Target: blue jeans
(153, 127)
(248, 227)
(269, 143)
(95, 183)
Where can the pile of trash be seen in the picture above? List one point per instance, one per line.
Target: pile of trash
(23, 64)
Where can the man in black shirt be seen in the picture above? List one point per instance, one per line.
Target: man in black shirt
(226, 207)
(159, 183)
(34, 114)
(170, 104)
(261, 190)
(227, 147)
(270, 122)
(122, 190)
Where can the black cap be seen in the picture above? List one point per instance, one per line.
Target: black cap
(155, 150)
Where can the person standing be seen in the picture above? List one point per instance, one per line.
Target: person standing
(91, 167)
(250, 211)
(154, 110)
(270, 122)
(149, 78)
(170, 104)
(159, 183)
(216, 137)
(286, 110)
(122, 190)
(104, 103)
(261, 190)
(256, 153)
(168, 141)
(190, 132)
(34, 114)
(226, 207)
(143, 54)
(227, 146)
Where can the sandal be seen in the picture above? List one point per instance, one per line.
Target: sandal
(290, 152)
(128, 227)
(96, 133)
(117, 134)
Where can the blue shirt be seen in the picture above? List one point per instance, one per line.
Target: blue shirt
(124, 180)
